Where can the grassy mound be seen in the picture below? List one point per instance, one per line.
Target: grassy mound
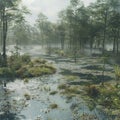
(22, 67)
(107, 96)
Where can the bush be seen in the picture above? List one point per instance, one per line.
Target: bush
(25, 58)
(6, 72)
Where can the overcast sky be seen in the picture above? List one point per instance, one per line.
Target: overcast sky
(49, 7)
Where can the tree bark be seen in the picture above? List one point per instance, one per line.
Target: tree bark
(104, 34)
(4, 23)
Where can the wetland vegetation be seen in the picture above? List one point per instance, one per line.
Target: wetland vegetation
(63, 70)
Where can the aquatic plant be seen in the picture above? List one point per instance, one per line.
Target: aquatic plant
(53, 106)
(27, 96)
(26, 80)
(70, 78)
(62, 86)
(53, 92)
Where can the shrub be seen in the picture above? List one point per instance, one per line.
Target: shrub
(25, 58)
(6, 72)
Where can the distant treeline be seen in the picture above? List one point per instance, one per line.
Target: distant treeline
(78, 27)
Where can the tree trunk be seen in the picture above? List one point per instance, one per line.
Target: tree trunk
(117, 42)
(104, 34)
(114, 45)
(4, 22)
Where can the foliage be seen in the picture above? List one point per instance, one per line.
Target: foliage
(107, 96)
(10, 11)
(6, 72)
(81, 27)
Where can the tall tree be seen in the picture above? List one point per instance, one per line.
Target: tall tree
(41, 25)
(9, 10)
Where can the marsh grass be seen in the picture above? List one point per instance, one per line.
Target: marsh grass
(27, 96)
(71, 78)
(23, 67)
(62, 86)
(107, 96)
(26, 80)
(53, 92)
(53, 106)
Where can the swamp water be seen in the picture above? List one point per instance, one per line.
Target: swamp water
(34, 101)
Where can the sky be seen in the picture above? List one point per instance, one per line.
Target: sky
(48, 7)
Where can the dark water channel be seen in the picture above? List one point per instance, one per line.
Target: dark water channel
(14, 106)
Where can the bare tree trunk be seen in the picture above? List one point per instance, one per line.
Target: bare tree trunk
(118, 42)
(114, 45)
(4, 22)
(104, 34)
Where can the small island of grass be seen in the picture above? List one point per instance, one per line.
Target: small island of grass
(22, 66)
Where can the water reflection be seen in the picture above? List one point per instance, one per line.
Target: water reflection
(8, 111)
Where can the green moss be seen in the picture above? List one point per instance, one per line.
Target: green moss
(38, 71)
(23, 67)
